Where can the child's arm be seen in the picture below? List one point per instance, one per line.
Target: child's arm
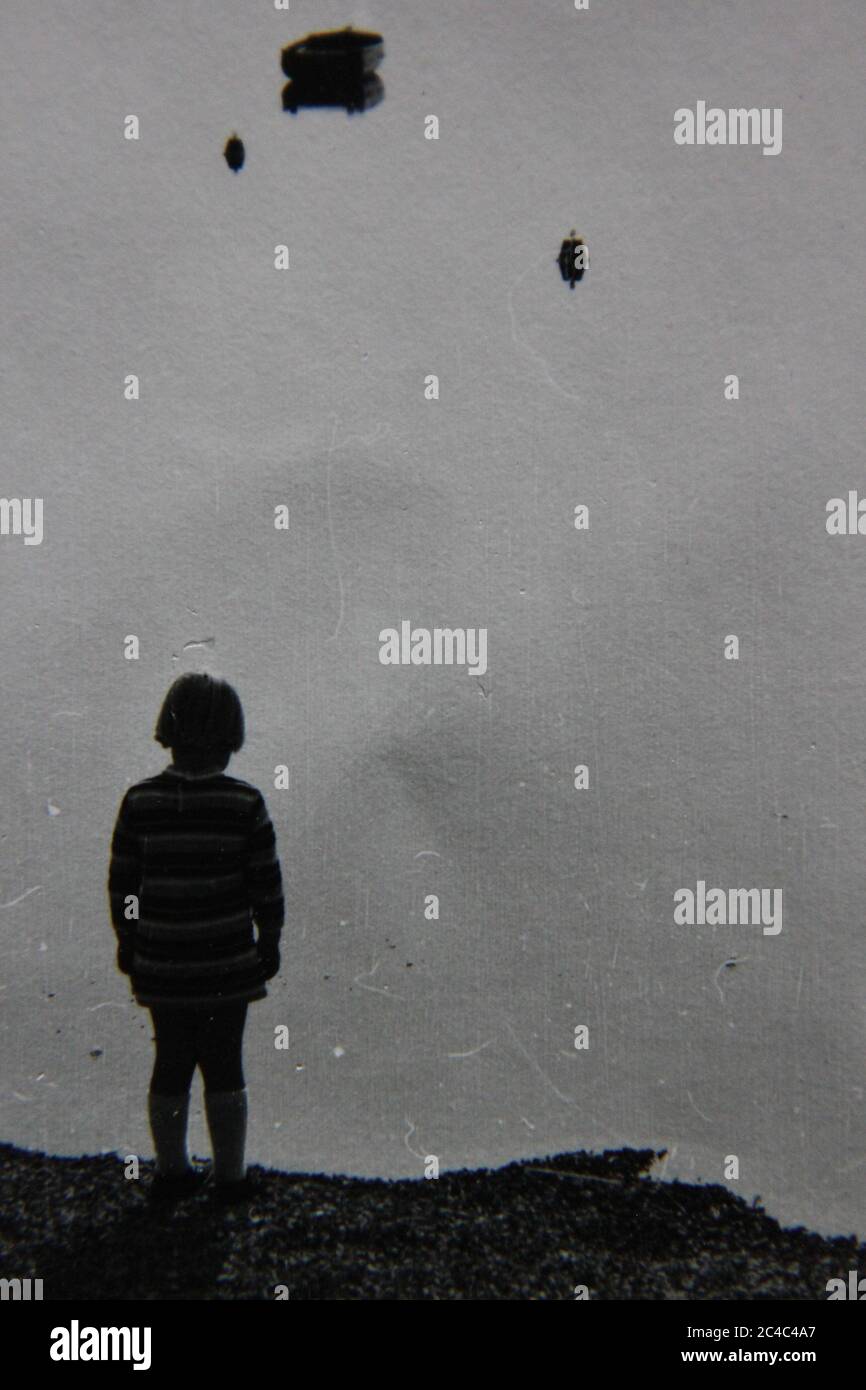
(124, 878)
(265, 883)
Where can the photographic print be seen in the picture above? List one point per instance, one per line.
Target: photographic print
(432, 547)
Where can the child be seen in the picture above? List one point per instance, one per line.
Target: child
(197, 849)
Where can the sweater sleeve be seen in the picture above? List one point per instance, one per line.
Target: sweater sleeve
(264, 876)
(124, 871)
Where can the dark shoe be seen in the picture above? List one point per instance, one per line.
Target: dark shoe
(170, 1187)
(226, 1194)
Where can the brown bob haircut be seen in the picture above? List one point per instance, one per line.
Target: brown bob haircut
(199, 713)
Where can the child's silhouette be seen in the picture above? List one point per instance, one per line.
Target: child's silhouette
(196, 848)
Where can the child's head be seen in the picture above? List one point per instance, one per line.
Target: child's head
(201, 720)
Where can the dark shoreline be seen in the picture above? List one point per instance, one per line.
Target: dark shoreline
(531, 1230)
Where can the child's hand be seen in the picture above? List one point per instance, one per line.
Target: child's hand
(269, 955)
(125, 952)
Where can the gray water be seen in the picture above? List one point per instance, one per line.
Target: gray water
(454, 1037)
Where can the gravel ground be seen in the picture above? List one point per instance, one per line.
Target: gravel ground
(533, 1229)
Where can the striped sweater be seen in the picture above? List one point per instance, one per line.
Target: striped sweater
(199, 853)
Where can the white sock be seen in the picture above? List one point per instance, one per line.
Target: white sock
(168, 1117)
(227, 1121)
